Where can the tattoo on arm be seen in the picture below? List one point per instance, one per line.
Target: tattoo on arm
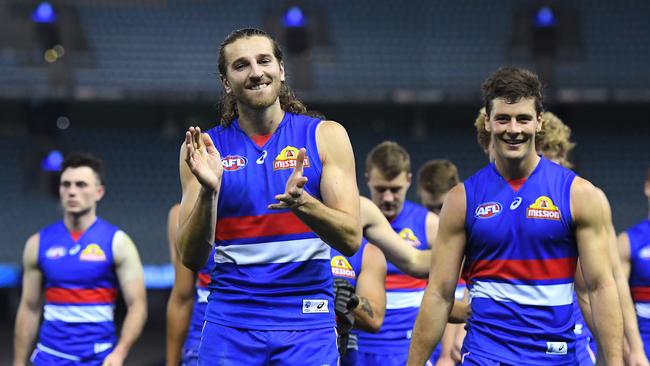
(365, 306)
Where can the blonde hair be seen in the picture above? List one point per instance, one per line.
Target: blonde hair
(555, 139)
(482, 135)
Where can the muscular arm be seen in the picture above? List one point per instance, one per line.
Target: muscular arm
(200, 170)
(181, 299)
(371, 290)
(131, 278)
(379, 232)
(336, 219)
(439, 294)
(31, 299)
(592, 237)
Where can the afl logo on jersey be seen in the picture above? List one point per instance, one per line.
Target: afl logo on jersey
(55, 252)
(233, 162)
(488, 210)
(543, 208)
(286, 159)
(342, 268)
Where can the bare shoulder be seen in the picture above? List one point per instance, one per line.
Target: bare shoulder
(586, 200)
(30, 252)
(456, 198)
(123, 247)
(328, 128)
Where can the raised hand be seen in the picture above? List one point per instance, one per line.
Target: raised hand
(293, 195)
(203, 158)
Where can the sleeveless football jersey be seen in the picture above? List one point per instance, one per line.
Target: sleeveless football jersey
(403, 292)
(271, 271)
(639, 236)
(521, 258)
(80, 289)
(200, 303)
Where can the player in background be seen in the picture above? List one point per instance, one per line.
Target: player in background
(72, 270)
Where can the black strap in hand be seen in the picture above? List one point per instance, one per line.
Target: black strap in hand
(345, 301)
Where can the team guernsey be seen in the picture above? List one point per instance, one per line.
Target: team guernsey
(403, 292)
(80, 289)
(191, 346)
(349, 268)
(639, 236)
(521, 258)
(271, 271)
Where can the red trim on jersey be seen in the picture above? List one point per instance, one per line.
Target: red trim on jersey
(75, 235)
(203, 280)
(243, 227)
(80, 296)
(260, 140)
(525, 269)
(641, 293)
(402, 281)
(516, 184)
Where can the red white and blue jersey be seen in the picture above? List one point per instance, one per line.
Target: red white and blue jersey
(639, 236)
(403, 292)
(271, 271)
(80, 289)
(521, 257)
(200, 303)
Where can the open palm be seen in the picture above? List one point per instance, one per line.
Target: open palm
(293, 193)
(203, 158)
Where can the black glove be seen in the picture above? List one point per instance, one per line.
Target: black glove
(345, 301)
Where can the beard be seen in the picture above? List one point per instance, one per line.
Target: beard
(257, 100)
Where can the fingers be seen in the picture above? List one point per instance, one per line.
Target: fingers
(300, 161)
(209, 145)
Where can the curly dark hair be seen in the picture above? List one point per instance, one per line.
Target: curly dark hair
(288, 100)
(512, 84)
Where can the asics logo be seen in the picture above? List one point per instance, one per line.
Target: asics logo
(515, 203)
(261, 159)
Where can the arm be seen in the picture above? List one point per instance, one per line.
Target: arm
(336, 219)
(593, 247)
(438, 298)
(181, 299)
(201, 172)
(448, 342)
(371, 290)
(131, 278)
(636, 354)
(29, 310)
(379, 232)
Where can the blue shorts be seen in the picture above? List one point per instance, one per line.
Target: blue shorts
(43, 358)
(190, 357)
(221, 345)
(470, 359)
(586, 353)
(388, 359)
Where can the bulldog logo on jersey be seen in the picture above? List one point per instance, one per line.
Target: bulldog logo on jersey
(92, 253)
(55, 252)
(409, 236)
(543, 208)
(488, 210)
(341, 267)
(233, 162)
(286, 159)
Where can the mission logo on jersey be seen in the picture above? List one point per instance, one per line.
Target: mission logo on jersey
(408, 235)
(543, 208)
(233, 162)
(286, 159)
(92, 253)
(341, 267)
(488, 210)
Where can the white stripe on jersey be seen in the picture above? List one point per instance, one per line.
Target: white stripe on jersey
(202, 295)
(540, 295)
(402, 300)
(79, 314)
(56, 353)
(273, 252)
(642, 309)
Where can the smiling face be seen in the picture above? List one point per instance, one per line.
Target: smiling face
(512, 128)
(79, 190)
(253, 74)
